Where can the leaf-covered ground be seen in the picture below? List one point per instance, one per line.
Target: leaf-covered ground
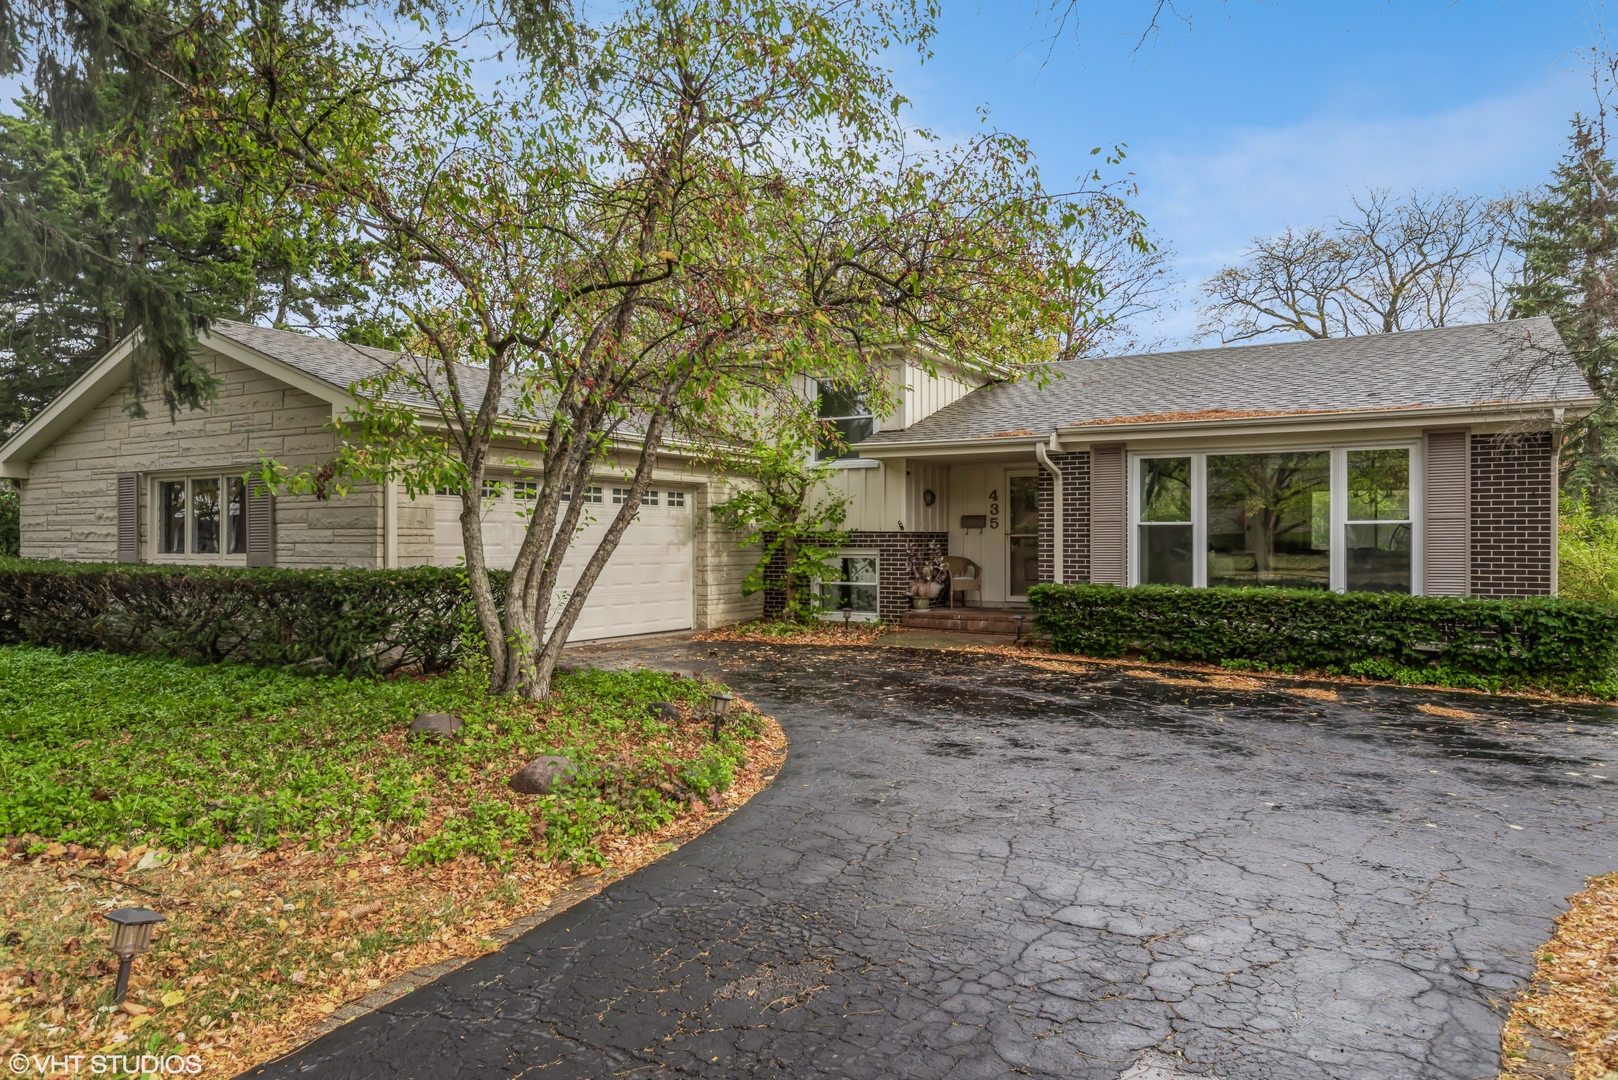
(814, 632)
(303, 851)
(1573, 997)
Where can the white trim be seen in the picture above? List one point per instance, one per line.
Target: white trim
(151, 550)
(858, 616)
(851, 463)
(53, 421)
(1321, 425)
(297, 378)
(390, 523)
(1338, 479)
(1018, 472)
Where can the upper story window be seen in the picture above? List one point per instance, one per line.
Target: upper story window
(845, 421)
(202, 515)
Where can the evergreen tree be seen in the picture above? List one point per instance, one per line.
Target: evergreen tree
(81, 258)
(1570, 273)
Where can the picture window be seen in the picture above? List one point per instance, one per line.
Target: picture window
(1316, 519)
(202, 515)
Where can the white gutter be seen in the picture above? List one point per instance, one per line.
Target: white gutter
(1119, 432)
(1056, 503)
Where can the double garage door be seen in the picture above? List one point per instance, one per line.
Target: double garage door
(645, 588)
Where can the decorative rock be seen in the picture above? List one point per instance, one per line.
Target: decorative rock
(541, 775)
(436, 726)
(665, 710)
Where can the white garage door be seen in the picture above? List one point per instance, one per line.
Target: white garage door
(646, 586)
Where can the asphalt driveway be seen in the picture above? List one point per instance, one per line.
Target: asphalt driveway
(974, 868)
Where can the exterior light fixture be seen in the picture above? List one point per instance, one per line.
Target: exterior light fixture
(718, 705)
(131, 935)
(1018, 620)
(848, 613)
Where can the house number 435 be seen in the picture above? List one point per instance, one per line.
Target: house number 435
(994, 509)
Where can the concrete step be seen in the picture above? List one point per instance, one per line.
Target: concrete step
(968, 620)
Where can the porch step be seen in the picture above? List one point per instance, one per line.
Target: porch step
(968, 620)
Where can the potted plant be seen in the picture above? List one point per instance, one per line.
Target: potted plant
(924, 565)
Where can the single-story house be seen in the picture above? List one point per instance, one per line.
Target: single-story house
(100, 485)
(1422, 462)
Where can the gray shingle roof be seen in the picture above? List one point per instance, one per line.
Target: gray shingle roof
(1511, 362)
(338, 362)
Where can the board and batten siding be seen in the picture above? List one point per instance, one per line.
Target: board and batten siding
(923, 394)
(1109, 516)
(1446, 541)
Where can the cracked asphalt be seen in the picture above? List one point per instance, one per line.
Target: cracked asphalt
(971, 867)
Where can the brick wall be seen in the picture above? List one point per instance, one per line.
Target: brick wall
(1513, 519)
(893, 584)
(1075, 518)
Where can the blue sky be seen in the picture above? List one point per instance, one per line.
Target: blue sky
(1258, 115)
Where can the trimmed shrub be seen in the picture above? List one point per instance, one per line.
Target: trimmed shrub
(353, 621)
(1540, 640)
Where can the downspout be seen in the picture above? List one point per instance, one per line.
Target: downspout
(1056, 504)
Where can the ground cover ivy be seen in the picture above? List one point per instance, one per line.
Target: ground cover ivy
(103, 750)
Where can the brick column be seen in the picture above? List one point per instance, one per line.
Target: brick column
(1075, 469)
(1513, 518)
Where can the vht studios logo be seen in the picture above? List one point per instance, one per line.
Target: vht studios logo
(105, 1065)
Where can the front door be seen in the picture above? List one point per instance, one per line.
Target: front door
(1023, 534)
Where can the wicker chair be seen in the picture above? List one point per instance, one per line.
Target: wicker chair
(965, 576)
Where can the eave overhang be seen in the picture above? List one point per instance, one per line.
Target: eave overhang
(1321, 421)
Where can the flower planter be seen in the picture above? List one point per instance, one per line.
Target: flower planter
(920, 603)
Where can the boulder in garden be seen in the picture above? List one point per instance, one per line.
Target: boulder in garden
(436, 726)
(542, 775)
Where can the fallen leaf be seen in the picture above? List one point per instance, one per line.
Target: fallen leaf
(131, 1009)
(173, 998)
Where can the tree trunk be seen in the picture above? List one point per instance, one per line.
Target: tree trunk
(477, 572)
(789, 550)
(545, 661)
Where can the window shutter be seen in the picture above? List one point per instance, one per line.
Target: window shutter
(260, 525)
(128, 517)
(1446, 540)
(1108, 516)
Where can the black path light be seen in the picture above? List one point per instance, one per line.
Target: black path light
(131, 935)
(718, 705)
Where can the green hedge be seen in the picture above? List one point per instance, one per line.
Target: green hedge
(353, 621)
(1541, 640)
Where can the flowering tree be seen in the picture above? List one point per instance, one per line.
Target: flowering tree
(648, 238)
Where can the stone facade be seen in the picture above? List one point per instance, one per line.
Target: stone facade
(1513, 514)
(69, 502)
(1075, 468)
(893, 585)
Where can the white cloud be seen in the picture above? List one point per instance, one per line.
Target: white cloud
(1211, 199)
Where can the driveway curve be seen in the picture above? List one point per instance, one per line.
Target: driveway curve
(974, 867)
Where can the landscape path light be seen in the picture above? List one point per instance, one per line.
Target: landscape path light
(131, 935)
(718, 705)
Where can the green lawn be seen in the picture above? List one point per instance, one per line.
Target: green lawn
(108, 750)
